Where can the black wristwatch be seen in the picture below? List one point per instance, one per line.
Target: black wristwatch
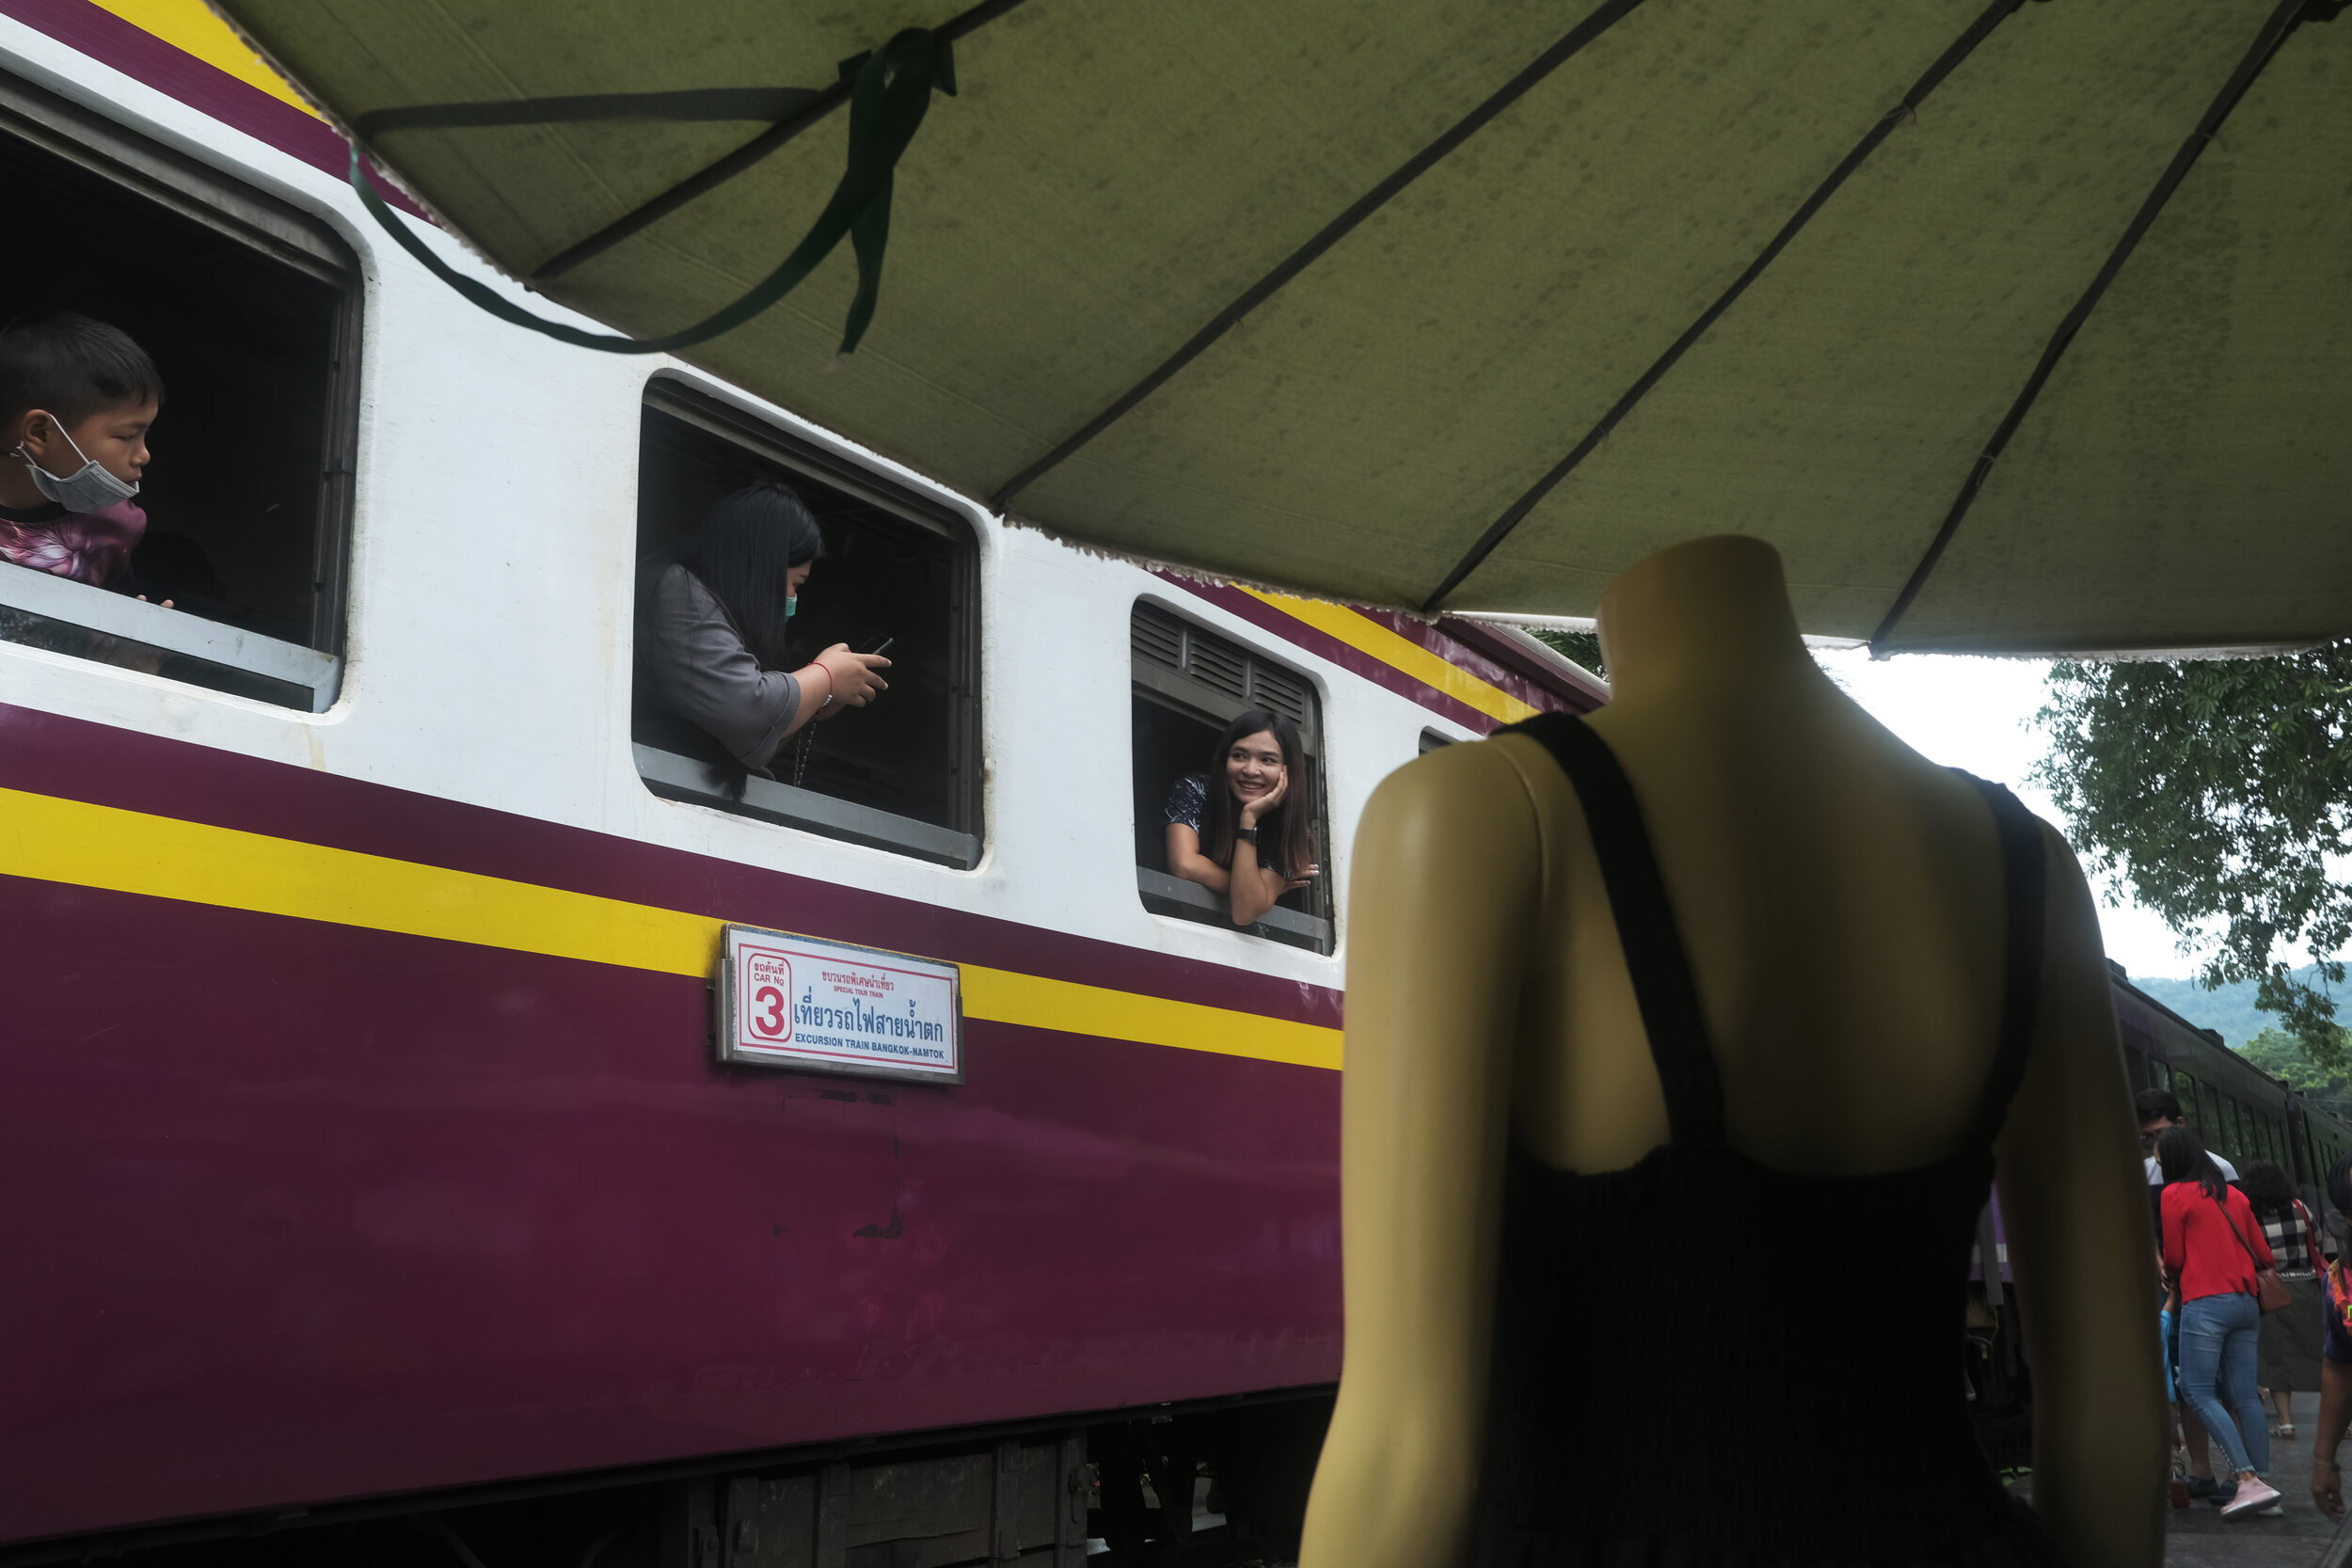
(1246, 835)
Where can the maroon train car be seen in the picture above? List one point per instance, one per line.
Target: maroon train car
(376, 1179)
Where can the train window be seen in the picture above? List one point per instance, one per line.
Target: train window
(1188, 685)
(902, 774)
(2136, 1066)
(250, 310)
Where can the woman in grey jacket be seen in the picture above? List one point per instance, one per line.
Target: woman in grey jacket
(710, 643)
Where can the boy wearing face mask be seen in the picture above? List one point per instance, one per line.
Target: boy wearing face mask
(77, 399)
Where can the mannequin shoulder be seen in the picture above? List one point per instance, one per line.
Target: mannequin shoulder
(1507, 788)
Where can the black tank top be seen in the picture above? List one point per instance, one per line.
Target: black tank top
(1700, 1360)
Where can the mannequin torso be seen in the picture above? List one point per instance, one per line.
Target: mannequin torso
(1835, 891)
(1841, 903)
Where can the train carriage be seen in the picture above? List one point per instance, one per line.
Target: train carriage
(366, 1155)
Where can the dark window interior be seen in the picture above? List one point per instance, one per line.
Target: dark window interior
(1170, 742)
(248, 481)
(888, 571)
(1190, 683)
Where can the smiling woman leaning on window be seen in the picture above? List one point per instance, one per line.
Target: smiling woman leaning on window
(1235, 829)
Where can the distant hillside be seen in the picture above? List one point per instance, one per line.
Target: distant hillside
(2231, 1009)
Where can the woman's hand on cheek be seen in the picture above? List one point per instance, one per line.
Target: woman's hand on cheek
(1252, 811)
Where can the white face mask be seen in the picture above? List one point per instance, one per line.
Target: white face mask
(89, 488)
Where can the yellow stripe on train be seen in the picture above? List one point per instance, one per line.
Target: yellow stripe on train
(1367, 636)
(52, 839)
(190, 27)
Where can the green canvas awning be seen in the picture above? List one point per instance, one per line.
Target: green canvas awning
(1475, 303)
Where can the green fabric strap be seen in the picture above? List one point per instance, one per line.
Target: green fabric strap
(890, 90)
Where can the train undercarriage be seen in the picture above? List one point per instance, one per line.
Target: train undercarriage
(1213, 1485)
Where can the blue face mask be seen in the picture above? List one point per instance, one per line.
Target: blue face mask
(88, 488)
(791, 605)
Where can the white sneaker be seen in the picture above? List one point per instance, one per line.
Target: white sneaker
(2254, 1495)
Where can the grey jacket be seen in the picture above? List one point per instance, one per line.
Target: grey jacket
(699, 669)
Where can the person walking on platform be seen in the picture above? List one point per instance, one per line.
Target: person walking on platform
(2212, 1246)
(2159, 1109)
(2335, 1358)
(2286, 1356)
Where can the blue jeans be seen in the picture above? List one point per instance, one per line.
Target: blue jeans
(2218, 1348)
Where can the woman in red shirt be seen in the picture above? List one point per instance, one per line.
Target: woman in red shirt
(2212, 1245)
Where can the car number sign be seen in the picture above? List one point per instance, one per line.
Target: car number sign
(825, 1006)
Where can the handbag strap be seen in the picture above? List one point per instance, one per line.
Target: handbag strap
(2258, 1264)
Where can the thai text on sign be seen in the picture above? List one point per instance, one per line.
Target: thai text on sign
(794, 1001)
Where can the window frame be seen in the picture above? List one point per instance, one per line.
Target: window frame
(963, 844)
(1170, 896)
(306, 677)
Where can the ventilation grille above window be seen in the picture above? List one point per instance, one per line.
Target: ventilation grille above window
(1224, 668)
(1158, 637)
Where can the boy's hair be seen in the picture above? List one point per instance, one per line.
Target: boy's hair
(72, 366)
(2156, 1106)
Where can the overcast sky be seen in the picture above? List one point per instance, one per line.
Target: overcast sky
(1976, 714)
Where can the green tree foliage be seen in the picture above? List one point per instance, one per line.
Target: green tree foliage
(2219, 791)
(2281, 1055)
(1581, 647)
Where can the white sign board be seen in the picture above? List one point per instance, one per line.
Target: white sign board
(824, 1006)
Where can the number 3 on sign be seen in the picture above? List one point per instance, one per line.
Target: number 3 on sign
(764, 996)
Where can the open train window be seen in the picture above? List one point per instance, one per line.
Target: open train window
(902, 774)
(1188, 685)
(250, 310)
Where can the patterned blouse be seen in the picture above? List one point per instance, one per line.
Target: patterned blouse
(2335, 1345)
(2290, 1243)
(1189, 803)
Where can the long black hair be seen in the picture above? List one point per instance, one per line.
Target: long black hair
(2182, 1157)
(741, 550)
(1286, 836)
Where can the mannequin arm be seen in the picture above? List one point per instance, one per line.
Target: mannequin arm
(2074, 1202)
(1446, 887)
